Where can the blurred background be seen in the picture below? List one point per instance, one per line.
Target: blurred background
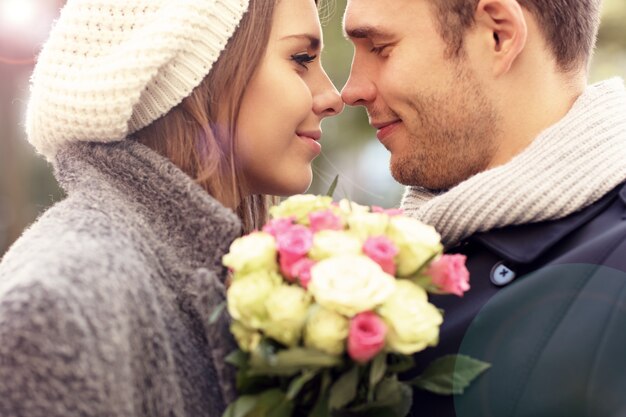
(351, 150)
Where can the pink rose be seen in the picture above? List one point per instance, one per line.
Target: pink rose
(293, 244)
(382, 251)
(366, 336)
(450, 274)
(302, 271)
(325, 220)
(277, 227)
(389, 212)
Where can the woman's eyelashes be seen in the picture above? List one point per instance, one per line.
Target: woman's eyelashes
(303, 59)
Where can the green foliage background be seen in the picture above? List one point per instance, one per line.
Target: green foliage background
(27, 187)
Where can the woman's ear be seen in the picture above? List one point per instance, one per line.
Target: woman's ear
(506, 21)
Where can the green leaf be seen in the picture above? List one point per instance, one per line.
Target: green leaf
(307, 357)
(268, 401)
(253, 384)
(284, 409)
(333, 186)
(388, 391)
(321, 407)
(237, 358)
(217, 312)
(297, 384)
(400, 363)
(241, 406)
(291, 361)
(344, 390)
(393, 399)
(450, 374)
(378, 368)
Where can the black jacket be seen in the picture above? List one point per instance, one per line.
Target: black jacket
(547, 309)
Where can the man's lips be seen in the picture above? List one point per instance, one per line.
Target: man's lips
(385, 128)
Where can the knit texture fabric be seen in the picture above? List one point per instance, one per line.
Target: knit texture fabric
(568, 167)
(105, 301)
(111, 67)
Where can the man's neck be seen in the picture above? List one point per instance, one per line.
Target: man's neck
(529, 111)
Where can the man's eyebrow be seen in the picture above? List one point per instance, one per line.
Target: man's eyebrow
(315, 42)
(366, 32)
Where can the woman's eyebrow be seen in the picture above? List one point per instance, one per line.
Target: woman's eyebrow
(315, 41)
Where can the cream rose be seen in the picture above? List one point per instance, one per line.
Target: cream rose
(365, 225)
(413, 323)
(326, 331)
(417, 243)
(287, 308)
(329, 243)
(247, 339)
(247, 295)
(256, 251)
(350, 284)
(349, 208)
(299, 206)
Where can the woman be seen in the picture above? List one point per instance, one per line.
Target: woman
(162, 120)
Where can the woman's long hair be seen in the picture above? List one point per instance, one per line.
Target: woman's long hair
(190, 135)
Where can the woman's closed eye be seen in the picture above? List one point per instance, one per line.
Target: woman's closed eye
(303, 59)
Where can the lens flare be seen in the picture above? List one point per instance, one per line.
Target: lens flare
(17, 14)
(24, 25)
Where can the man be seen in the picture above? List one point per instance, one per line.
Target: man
(485, 108)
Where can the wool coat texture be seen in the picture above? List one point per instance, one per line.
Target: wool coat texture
(105, 300)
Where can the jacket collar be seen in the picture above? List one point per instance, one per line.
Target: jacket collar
(196, 229)
(525, 243)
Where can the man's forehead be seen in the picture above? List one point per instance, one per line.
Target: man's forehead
(370, 18)
(360, 18)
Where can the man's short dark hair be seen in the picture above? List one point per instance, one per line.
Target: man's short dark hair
(570, 27)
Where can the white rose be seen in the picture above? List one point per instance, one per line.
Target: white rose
(329, 243)
(350, 284)
(416, 241)
(256, 251)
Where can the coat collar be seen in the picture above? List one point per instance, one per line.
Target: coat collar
(525, 243)
(196, 228)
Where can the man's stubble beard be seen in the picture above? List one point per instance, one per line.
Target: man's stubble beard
(451, 137)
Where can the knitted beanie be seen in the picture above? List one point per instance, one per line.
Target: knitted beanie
(112, 67)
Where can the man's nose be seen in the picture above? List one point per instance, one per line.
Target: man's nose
(359, 89)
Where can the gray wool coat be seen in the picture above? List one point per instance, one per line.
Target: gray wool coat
(105, 300)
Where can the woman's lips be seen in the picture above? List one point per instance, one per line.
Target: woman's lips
(311, 139)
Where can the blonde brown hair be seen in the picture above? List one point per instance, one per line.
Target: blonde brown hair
(569, 26)
(190, 134)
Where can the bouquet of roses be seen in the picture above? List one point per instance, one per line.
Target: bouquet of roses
(328, 303)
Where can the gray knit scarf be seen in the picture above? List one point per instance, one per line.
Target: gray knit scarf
(568, 167)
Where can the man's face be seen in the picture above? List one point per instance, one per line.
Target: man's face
(430, 110)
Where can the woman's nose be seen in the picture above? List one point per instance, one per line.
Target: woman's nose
(327, 102)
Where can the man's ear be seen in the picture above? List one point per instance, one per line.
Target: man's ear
(505, 20)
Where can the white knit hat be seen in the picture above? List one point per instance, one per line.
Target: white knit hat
(112, 67)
